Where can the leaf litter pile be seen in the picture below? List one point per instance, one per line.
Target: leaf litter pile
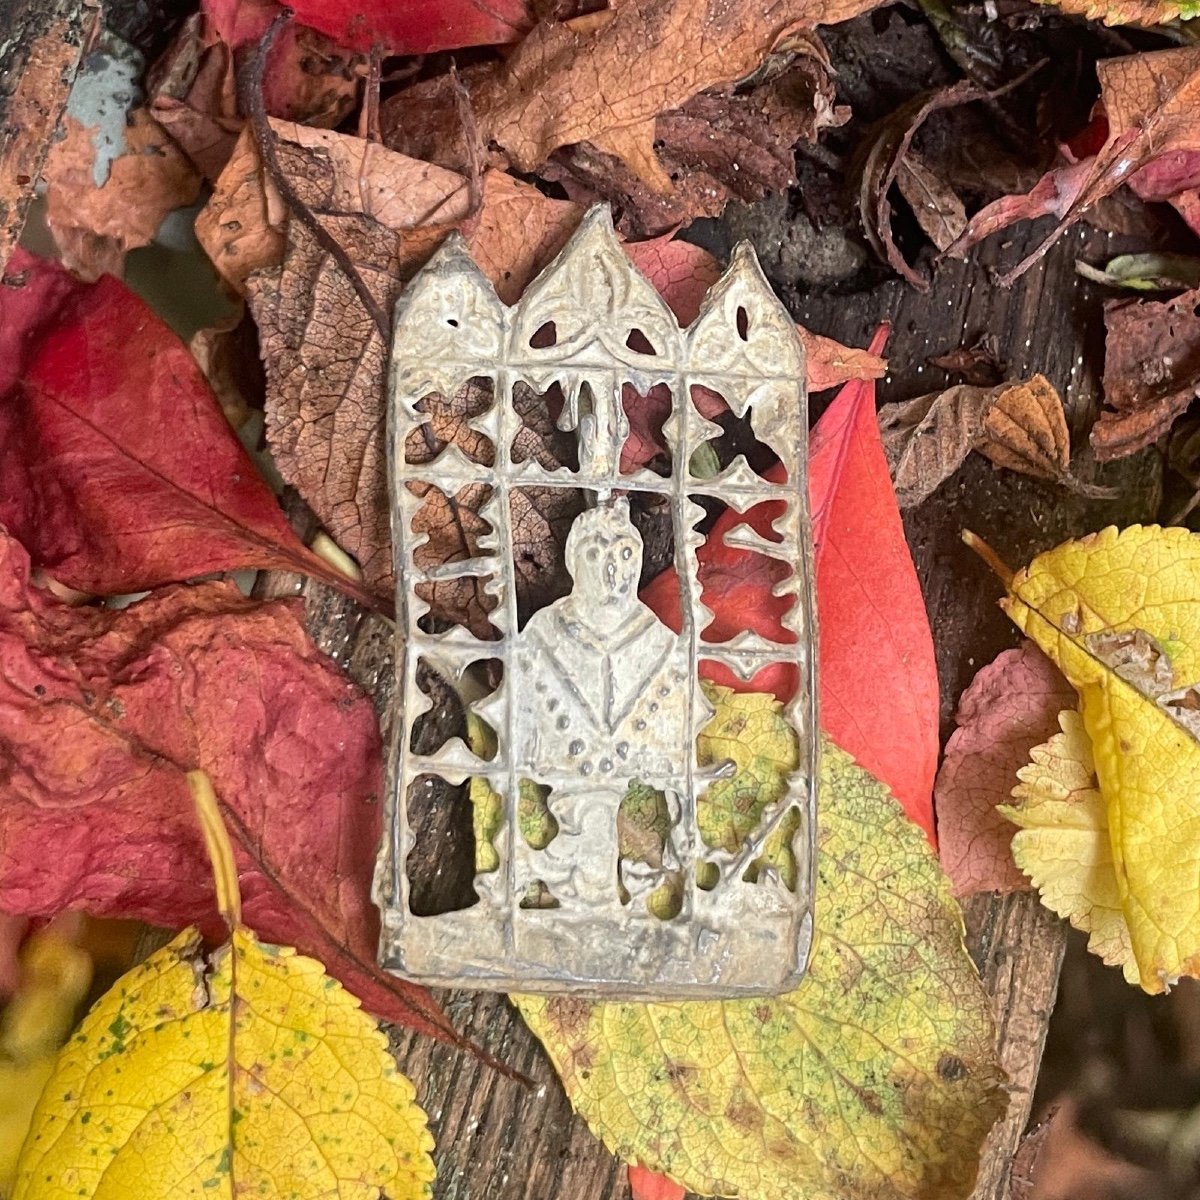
(195, 330)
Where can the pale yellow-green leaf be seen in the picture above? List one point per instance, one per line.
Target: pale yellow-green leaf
(876, 1078)
(1063, 844)
(1142, 586)
(250, 1074)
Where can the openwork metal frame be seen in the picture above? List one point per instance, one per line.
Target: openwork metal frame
(737, 937)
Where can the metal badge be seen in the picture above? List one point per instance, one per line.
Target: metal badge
(593, 696)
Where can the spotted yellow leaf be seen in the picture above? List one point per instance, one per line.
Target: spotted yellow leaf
(1119, 612)
(1063, 844)
(250, 1073)
(875, 1078)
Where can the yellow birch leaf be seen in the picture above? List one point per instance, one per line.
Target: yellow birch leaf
(1063, 844)
(875, 1078)
(252, 1073)
(1119, 612)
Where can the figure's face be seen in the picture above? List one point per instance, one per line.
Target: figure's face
(606, 572)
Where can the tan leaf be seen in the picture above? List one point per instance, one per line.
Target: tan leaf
(935, 204)
(561, 86)
(1019, 425)
(97, 215)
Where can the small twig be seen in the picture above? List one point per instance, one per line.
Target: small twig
(368, 117)
(254, 102)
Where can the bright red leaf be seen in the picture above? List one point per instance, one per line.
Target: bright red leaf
(644, 1184)
(878, 676)
(101, 714)
(118, 469)
(396, 26)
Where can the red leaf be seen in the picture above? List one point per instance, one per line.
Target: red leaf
(644, 1184)
(1011, 706)
(118, 469)
(878, 677)
(397, 26)
(102, 713)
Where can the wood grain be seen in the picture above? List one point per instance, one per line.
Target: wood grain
(40, 50)
(501, 1140)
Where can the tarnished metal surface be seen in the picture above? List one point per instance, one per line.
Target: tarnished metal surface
(597, 695)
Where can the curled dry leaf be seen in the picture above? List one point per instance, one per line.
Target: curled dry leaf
(1151, 371)
(776, 1096)
(102, 714)
(103, 201)
(1151, 106)
(888, 160)
(563, 85)
(1119, 612)
(1019, 425)
(89, 380)
(1132, 12)
(1012, 704)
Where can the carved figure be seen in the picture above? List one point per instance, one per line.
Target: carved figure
(603, 699)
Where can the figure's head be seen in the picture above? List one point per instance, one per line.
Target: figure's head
(604, 557)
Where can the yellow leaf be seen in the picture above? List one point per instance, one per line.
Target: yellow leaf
(875, 1078)
(1119, 612)
(55, 976)
(252, 1073)
(1063, 844)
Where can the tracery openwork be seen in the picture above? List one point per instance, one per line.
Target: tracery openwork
(598, 699)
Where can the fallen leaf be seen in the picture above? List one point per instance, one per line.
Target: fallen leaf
(1064, 843)
(246, 1072)
(562, 86)
(644, 1184)
(55, 976)
(1012, 704)
(103, 202)
(888, 159)
(1151, 371)
(103, 712)
(413, 27)
(721, 144)
(1019, 425)
(777, 1096)
(935, 204)
(1150, 103)
(89, 381)
(873, 622)
(977, 364)
(1130, 12)
(1118, 613)
(192, 93)
(1146, 272)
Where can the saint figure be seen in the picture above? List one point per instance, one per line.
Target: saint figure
(602, 690)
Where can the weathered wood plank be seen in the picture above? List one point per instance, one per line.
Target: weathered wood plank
(500, 1139)
(39, 54)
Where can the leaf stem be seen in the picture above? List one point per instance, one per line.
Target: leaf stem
(1003, 571)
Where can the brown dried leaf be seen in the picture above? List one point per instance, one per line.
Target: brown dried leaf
(1025, 430)
(1011, 706)
(95, 215)
(1151, 371)
(721, 144)
(976, 364)
(1019, 425)
(1130, 12)
(325, 355)
(562, 85)
(934, 203)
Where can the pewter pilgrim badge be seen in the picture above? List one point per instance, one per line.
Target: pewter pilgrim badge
(593, 698)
